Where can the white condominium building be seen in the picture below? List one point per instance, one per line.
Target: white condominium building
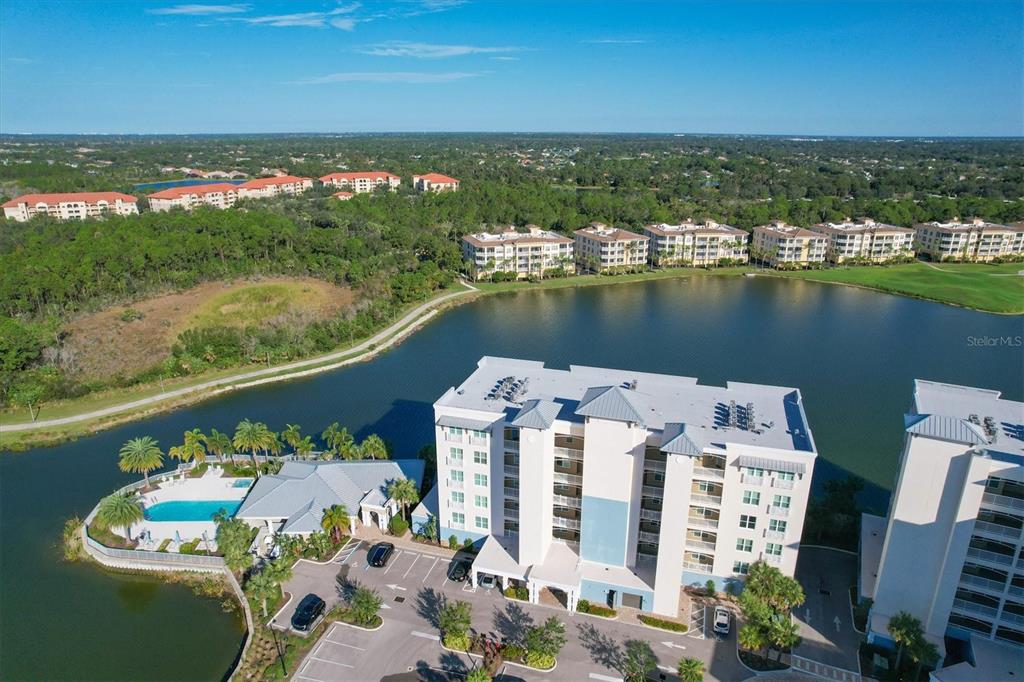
(262, 188)
(949, 551)
(696, 244)
(218, 195)
(362, 181)
(975, 240)
(866, 241)
(620, 487)
(599, 248)
(70, 205)
(434, 182)
(781, 245)
(529, 253)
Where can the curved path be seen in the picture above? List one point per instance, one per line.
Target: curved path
(364, 350)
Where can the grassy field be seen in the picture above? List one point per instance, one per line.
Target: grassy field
(991, 288)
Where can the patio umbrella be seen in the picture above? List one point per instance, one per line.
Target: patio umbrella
(177, 538)
(206, 543)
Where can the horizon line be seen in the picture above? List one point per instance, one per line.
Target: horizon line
(809, 136)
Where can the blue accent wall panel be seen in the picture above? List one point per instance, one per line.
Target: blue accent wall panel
(597, 593)
(603, 533)
(462, 535)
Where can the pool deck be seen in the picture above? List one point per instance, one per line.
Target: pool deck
(210, 486)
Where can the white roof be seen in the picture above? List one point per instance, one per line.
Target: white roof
(561, 567)
(992, 661)
(963, 411)
(500, 556)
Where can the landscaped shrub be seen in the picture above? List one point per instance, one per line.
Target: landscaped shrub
(663, 624)
(513, 652)
(585, 606)
(453, 542)
(535, 659)
(458, 642)
(190, 548)
(520, 593)
(163, 545)
(397, 525)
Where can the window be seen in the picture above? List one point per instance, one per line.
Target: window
(748, 521)
(562, 463)
(481, 522)
(754, 471)
(478, 434)
(456, 456)
(458, 497)
(479, 457)
(785, 476)
(777, 525)
(455, 431)
(481, 479)
(773, 549)
(457, 475)
(781, 501)
(481, 501)
(705, 486)
(740, 567)
(751, 497)
(744, 545)
(658, 476)
(458, 517)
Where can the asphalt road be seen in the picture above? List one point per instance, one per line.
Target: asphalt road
(825, 618)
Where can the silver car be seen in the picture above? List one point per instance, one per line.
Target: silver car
(721, 626)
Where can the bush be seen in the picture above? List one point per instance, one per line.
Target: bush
(467, 543)
(131, 314)
(163, 545)
(663, 624)
(513, 652)
(709, 587)
(535, 659)
(397, 525)
(453, 542)
(585, 606)
(520, 593)
(458, 642)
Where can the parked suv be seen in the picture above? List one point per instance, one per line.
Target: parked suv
(380, 553)
(721, 621)
(459, 570)
(308, 612)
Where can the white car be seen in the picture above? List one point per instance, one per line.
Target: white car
(721, 626)
(487, 581)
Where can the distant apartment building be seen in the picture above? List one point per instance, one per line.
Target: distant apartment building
(263, 188)
(974, 240)
(600, 248)
(361, 182)
(70, 205)
(527, 254)
(620, 487)
(696, 244)
(434, 182)
(951, 549)
(218, 195)
(786, 246)
(865, 241)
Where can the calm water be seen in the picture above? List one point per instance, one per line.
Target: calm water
(167, 184)
(853, 354)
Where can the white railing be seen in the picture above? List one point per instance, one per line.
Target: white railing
(783, 484)
(476, 440)
(568, 478)
(997, 529)
(700, 545)
(747, 479)
(709, 472)
(653, 465)
(772, 558)
(701, 498)
(457, 485)
(774, 535)
(696, 522)
(458, 526)
(457, 506)
(566, 501)
(1012, 618)
(964, 605)
(511, 471)
(1003, 501)
(984, 583)
(646, 536)
(560, 522)
(991, 557)
(569, 453)
(652, 491)
(512, 445)
(778, 511)
(697, 567)
(454, 461)
(512, 514)
(650, 514)
(512, 493)
(1015, 591)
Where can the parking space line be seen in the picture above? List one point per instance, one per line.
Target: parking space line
(300, 676)
(391, 564)
(327, 660)
(411, 565)
(606, 678)
(430, 569)
(425, 635)
(350, 646)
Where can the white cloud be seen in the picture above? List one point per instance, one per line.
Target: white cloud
(506, 59)
(20, 60)
(201, 10)
(614, 41)
(336, 17)
(386, 77)
(400, 48)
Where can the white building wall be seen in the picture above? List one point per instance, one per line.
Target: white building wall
(672, 538)
(536, 488)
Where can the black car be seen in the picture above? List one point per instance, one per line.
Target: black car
(380, 553)
(308, 611)
(459, 570)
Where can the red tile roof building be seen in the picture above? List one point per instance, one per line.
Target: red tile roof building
(787, 246)
(599, 248)
(529, 253)
(362, 181)
(435, 182)
(218, 195)
(262, 188)
(865, 240)
(696, 244)
(972, 240)
(70, 205)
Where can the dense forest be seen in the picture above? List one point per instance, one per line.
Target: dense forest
(397, 248)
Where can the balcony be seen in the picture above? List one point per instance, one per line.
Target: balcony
(653, 465)
(990, 557)
(701, 498)
(997, 529)
(566, 501)
(569, 453)
(700, 545)
(573, 479)
(512, 493)
(560, 522)
(700, 522)
(697, 567)
(511, 445)
(1015, 590)
(1003, 501)
(645, 536)
(650, 515)
(774, 535)
(477, 440)
(512, 514)
(652, 491)
(974, 607)
(783, 484)
(747, 479)
(454, 461)
(709, 472)
(457, 506)
(458, 526)
(455, 485)
(1009, 617)
(512, 471)
(780, 512)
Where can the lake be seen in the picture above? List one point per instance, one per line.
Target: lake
(168, 184)
(853, 353)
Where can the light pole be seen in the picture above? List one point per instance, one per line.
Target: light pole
(280, 652)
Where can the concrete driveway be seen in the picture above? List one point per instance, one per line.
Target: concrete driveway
(321, 579)
(826, 626)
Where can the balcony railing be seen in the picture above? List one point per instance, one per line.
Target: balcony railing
(560, 522)
(782, 484)
(709, 472)
(782, 512)
(512, 493)
(991, 557)
(997, 529)
(652, 491)
(512, 514)
(1014, 618)
(697, 567)
(454, 461)
(457, 506)
(511, 471)
(646, 536)
(653, 465)
(1015, 591)
(568, 478)
(1003, 501)
(458, 526)
(772, 559)
(974, 607)
(747, 479)
(569, 453)
(697, 522)
(700, 545)
(701, 498)
(650, 514)
(566, 501)
(774, 535)
(476, 440)
(457, 485)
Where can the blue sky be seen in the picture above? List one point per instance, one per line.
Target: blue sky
(842, 68)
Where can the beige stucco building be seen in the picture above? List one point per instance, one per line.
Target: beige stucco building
(262, 188)
(787, 246)
(70, 205)
(974, 240)
(696, 244)
(361, 182)
(599, 248)
(529, 253)
(217, 195)
(865, 240)
(435, 182)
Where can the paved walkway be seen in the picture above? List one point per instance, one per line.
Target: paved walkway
(364, 350)
(828, 672)
(829, 642)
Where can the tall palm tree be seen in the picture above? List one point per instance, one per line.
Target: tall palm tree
(783, 633)
(218, 443)
(279, 570)
(752, 639)
(922, 652)
(119, 511)
(140, 456)
(304, 447)
(904, 629)
(292, 435)
(193, 447)
(261, 587)
(404, 492)
(249, 436)
(691, 670)
(335, 521)
(373, 447)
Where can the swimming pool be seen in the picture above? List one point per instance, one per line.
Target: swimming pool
(242, 483)
(190, 510)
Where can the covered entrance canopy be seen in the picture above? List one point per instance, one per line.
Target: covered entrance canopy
(560, 571)
(499, 557)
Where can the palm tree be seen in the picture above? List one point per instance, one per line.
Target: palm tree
(904, 629)
(292, 435)
(784, 634)
(248, 437)
(335, 521)
(752, 639)
(140, 456)
(279, 570)
(119, 511)
(691, 670)
(339, 441)
(304, 447)
(922, 652)
(373, 447)
(218, 443)
(404, 492)
(262, 587)
(193, 448)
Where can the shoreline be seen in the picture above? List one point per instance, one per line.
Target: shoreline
(28, 435)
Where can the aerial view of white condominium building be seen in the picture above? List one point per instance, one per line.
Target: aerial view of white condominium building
(360, 182)
(974, 240)
(951, 550)
(781, 245)
(217, 195)
(599, 248)
(696, 244)
(262, 188)
(434, 182)
(529, 253)
(70, 205)
(620, 487)
(866, 241)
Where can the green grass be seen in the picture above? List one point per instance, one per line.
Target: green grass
(595, 280)
(991, 288)
(253, 305)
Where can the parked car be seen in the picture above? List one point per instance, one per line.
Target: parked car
(308, 612)
(380, 553)
(487, 581)
(721, 621)
(459, 570)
